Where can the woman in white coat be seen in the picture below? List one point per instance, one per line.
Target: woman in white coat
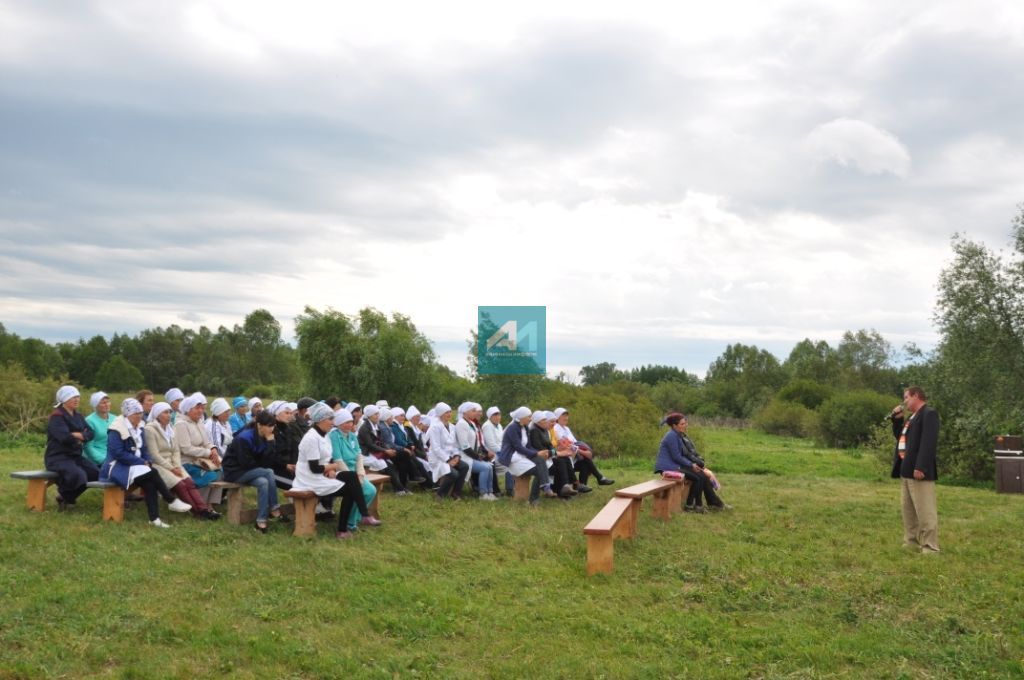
(446, 465)
(315, 472)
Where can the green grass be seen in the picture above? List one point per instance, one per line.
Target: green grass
(805, 579)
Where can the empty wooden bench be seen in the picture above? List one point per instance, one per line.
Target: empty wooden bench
(615, 520)
(668, 496)
(38, 480)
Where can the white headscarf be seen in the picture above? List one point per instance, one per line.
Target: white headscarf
(521, 413)
(168, 431)
(274, 407)
(219, 405)
(386, 414)
(191, 401)
(371, 410)
(412, 412)
(383, 403)
(66, 393)
(321, 411)
(559, 411)
(441, 409)
(537, 417)
(96, 398)
(397, 411)
(173, 394)
(352, 406)
(341, 417)
(254, 401)
(130, 407)
(492, 410)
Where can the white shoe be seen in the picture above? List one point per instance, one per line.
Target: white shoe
(488, 497)
(178, 505)
(160, 523)
(320, 509)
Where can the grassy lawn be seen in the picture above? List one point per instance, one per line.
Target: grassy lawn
(806, 579)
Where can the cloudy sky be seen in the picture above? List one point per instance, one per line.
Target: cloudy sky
(665, 180)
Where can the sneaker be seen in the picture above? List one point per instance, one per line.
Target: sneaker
(260, 526)
(370, 522)
(178, 505)
(321, 510)
(343, 535)
(928, 550)
(160, 523)
(720, 508)
(488, 497)
(604, 481)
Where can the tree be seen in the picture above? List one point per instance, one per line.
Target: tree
(600, 374)
(117, 375)
(815, 361)
(743, 379)
(978, 366)
(864, 362)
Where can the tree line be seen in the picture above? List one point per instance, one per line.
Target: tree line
(839, 395)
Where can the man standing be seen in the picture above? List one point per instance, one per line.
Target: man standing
(914, 464)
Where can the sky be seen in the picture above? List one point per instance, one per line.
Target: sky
(666, 178)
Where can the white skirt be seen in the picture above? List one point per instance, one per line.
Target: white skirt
(520, 465)
(374, 464)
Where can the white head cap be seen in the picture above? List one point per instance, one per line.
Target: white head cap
(219, 406)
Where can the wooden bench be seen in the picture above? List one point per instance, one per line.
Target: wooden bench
(615, 520)
(667, 494)
(378, 481)
(236, 514)
(305, 512)
(38, 480)
(113, 499)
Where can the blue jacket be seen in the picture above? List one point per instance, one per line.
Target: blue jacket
(248, 451)
(122, 453)
(401, 441)
(512, 442)
(671, 455)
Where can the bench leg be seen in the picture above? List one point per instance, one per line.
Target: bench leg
(305, 516)
(600, 554)
(522, 492)
(234, 506)
(36, 497)
(374, 506)
(113, 503)
(633, 518)
(662, 505)
(675, 499)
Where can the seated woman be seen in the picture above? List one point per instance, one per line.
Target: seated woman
(521, 459)
(347, 455)
(99, 420)
(678, 454)
(390, 431)
(378, 454)
(469, 440)
(240, 418)
(286, 444)
(249, 461)
(217, 428)
(315, 472)
(406, 447)
(255, 406)
(145, 397)
(128, 463)
(561, 463)
(165, 458)
(411, 420)
(174, 397)
(492, 433)
(448, 469)
(66, 434)
(584, 463)
(199, 456)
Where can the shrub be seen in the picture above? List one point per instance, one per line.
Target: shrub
(787, 418)
(116, 374)
(25, 404)
(850, 418)
(807, 392)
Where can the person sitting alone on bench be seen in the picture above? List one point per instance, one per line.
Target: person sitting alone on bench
(678, 454)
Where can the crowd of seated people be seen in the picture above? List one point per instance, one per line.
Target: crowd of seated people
(177, 447)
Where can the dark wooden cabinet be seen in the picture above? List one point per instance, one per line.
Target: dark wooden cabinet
(1010, 474)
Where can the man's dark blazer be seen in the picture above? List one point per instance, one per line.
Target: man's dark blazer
(922, 442)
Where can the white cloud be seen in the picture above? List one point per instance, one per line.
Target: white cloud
(861, 145)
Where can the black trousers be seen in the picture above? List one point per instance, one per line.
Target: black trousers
(351, 494)
(392, 472)
(152, 485)
(700, 486)
(73, 472)
(562, 472)
(586, 467)
(454, 480)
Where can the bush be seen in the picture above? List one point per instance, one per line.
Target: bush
(673, 395)
(807, 392)
(116, 374)
(787, 418)
(25, 404)
(850, 418)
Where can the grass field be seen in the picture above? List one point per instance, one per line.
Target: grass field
(804, 579)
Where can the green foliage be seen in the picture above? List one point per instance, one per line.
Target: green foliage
(864, 361)
(743, 380)
(789, 418)
(365, 358)
(850, 418)
(118, 374)
(806, 392)
(673, 395)
(599, 374)
(25, 404)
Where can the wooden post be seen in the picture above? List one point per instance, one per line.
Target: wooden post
(36, 498)
(113, 503)
(374, 506)
(523, 483)
(600, 554)
(662, 503)
(305, 516)
(235, 505)
(634, 516)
